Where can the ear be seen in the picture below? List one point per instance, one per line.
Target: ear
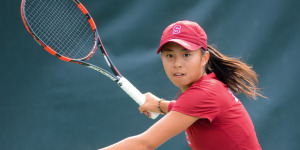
(205, 58)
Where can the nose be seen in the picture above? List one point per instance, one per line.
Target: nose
(177, 62)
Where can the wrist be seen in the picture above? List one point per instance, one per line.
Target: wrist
(159, 106)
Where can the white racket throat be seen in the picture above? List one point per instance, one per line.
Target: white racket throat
(134, 93)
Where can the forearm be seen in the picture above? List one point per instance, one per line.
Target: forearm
(155, 104)
(164, 129)
(166, 106)
(131, 143)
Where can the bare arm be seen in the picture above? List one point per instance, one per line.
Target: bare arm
(167, 127)
(151, 104)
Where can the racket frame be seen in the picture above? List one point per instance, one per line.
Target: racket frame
(131, 90)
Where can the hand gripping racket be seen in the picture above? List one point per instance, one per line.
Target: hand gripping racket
(66, 30)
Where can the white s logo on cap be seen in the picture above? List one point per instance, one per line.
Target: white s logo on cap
(176, 29)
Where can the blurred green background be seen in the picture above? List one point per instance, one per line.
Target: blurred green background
(47, 104)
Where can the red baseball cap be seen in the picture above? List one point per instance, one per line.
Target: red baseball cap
(188, 34)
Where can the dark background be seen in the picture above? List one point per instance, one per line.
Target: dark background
(47, 104)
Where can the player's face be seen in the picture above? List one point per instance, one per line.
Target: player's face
(183, 67)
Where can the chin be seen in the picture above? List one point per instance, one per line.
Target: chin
(180, 85)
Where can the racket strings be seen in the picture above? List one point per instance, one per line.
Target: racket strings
(61, 26)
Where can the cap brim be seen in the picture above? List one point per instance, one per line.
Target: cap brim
(188, 45)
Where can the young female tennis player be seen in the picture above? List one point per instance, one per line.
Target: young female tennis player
(211, 116)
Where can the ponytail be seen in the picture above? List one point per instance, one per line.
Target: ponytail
(238, 76)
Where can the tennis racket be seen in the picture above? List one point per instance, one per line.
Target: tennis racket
(65, 29)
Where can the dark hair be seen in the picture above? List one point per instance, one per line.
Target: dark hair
(237, 75)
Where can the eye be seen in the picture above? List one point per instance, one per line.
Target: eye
(169, 55)
(187, 55)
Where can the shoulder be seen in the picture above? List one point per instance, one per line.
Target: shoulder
(201, 99)
(208, 90)
(206, 98)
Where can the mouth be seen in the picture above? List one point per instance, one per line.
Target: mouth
(178, 74)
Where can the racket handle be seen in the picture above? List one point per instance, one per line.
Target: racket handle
(135, 94)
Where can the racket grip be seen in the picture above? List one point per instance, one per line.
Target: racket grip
(135, 94)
